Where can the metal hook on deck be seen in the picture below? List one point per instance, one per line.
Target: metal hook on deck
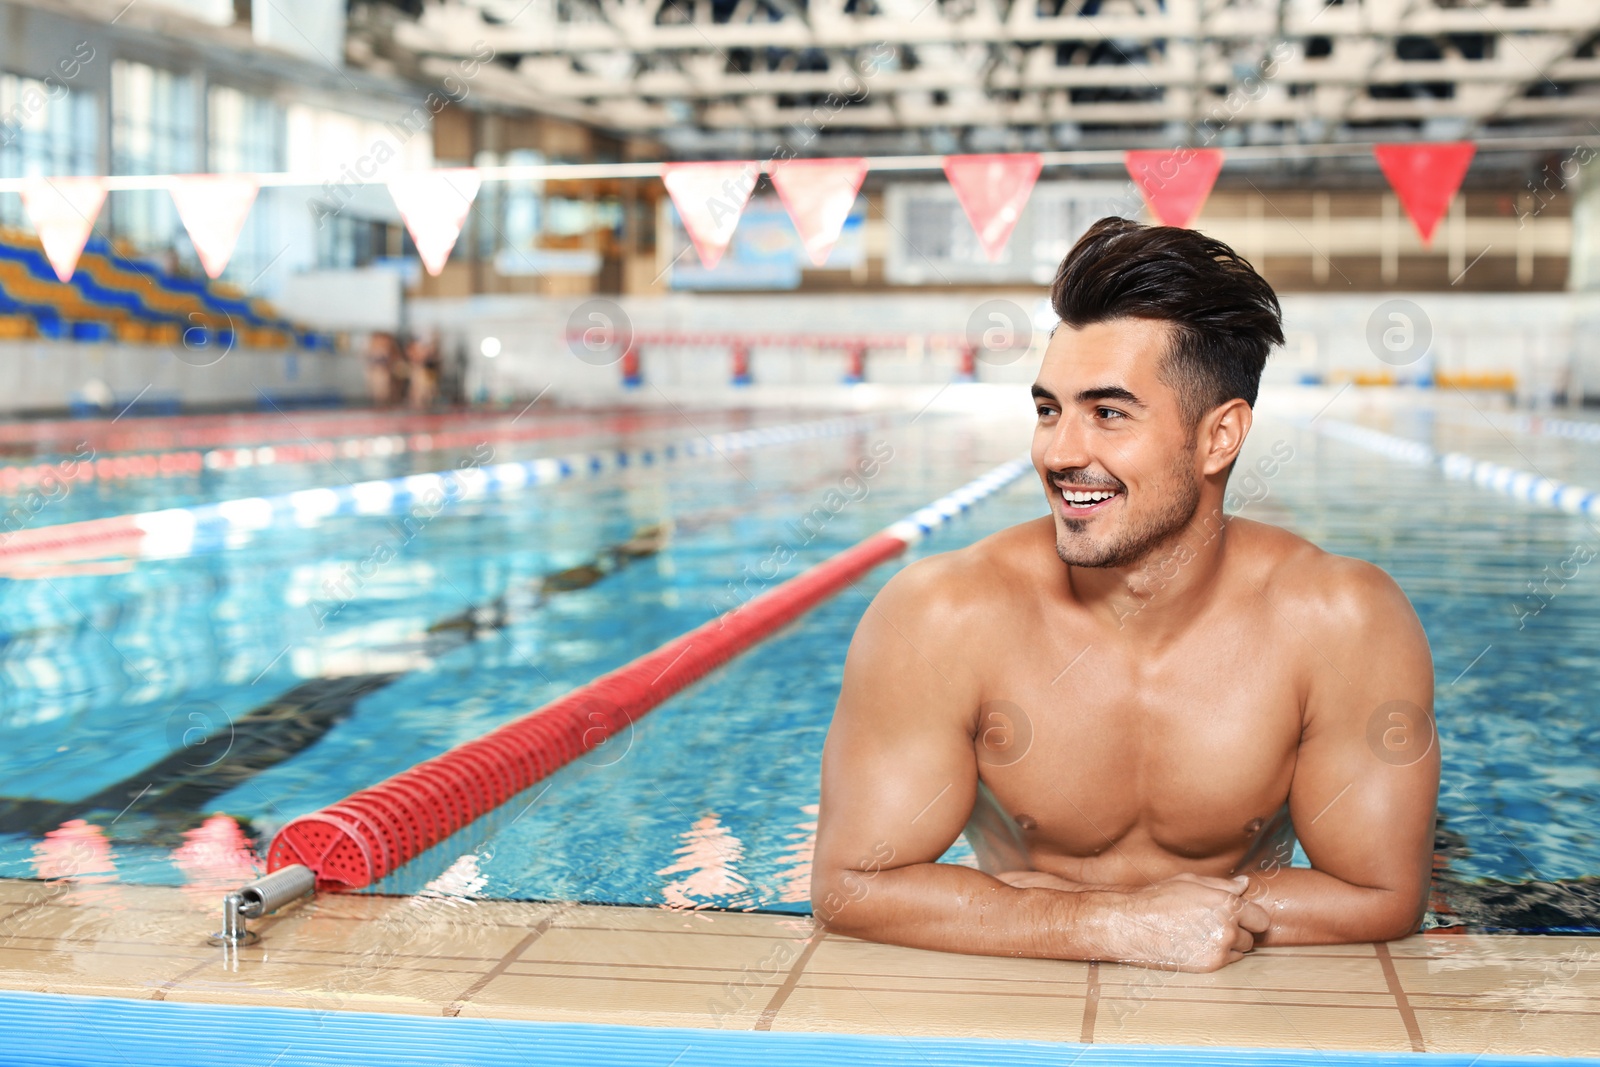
(266, 894)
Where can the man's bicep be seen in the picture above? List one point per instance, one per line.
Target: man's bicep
(1367, 777)
(898, 771)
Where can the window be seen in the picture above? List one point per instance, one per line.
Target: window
(153, 131)
(45, 129)
(247, 135)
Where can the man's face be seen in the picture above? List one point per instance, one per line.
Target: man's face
(1111, 445)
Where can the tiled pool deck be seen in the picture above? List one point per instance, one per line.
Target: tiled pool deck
(443, 956)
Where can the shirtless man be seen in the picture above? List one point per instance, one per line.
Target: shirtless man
(1141, 693)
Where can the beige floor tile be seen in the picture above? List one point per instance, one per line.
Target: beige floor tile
(676, 920)
(1360, 948)
(1333, 974)
(1169, 1021)
(870, 960)
(1546, 1033)
(858, 1009)
(370, 988)
(26, 891)
(137, 972)
(83, 925)
(1508, 982)
(645, 998)
(396, 936)
(661, 949)
(1496, 946)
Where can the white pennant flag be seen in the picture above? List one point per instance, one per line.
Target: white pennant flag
(434, 205)
(213, 208)
(63, 211)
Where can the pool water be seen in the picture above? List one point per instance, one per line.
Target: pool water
(209, 662)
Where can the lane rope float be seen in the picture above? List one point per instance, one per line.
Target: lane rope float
(376, 830)
(1525, 486)
(175, 532)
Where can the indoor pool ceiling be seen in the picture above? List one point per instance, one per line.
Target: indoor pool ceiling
(942, 75)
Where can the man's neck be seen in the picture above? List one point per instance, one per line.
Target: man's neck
(1159, 596)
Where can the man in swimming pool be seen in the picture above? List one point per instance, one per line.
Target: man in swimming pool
(1134, 703)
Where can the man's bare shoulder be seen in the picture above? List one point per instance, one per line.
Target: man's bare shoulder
(951, 590)
(1337, 602)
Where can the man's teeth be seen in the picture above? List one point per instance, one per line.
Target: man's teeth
(1084, 497)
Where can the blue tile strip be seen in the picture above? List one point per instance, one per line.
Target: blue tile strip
(47, 1030)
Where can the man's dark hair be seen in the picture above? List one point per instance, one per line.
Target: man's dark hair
(1225, 316)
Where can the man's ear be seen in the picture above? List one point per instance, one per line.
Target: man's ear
(1222, 433)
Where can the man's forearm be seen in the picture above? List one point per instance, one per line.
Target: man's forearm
(958, 909)
(1309, 907)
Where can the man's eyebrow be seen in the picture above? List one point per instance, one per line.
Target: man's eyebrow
(1109, 392)
(1041, 393)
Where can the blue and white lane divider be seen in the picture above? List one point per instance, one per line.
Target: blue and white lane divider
(1526, 486)
(183, 529)
(180, 531)
(924, 521)
(1544, 426)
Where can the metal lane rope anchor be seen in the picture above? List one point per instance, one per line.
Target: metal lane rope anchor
(260, 897)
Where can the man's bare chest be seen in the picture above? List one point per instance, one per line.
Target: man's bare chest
(1187, 750)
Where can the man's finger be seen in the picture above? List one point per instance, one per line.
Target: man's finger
(1243, 940)
(1254, 917)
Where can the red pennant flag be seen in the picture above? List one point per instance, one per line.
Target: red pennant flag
(1425, 177)
(1175, 183)
(63, 211)
(709, 198)
(818, 194)
(434, 205)
(213, 208)
(993, 191)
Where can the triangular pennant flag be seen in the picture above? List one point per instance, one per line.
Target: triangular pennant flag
(1425, 177)
(213, 208)
(1175, 182)
(63, 211)
(434, 205)
(993, 190)
(709, 198)
(818, 194)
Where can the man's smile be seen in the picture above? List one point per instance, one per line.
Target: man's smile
(1078, 501)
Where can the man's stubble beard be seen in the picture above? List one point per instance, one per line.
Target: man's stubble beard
(1136, 544)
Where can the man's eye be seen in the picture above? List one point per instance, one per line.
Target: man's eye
(1046, 409)
(1109, 412)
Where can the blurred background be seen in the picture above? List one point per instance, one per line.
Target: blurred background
(324, 295)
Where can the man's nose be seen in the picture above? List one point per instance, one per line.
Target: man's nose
(1068, 446)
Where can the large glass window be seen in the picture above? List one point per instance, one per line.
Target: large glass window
(247, 135)
(154, 115)
(45, 129)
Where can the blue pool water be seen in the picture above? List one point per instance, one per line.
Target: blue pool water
(710, 801)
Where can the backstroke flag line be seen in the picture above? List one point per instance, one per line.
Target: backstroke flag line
(709, 198)
(1174, 182)
(818, 194)
(993, 190)
(434, 205)
(63, 211)
(1425, 177)
(213, 208)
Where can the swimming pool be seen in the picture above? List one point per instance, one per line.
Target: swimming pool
(710, 800)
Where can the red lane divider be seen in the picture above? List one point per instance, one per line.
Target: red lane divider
(374, 831)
